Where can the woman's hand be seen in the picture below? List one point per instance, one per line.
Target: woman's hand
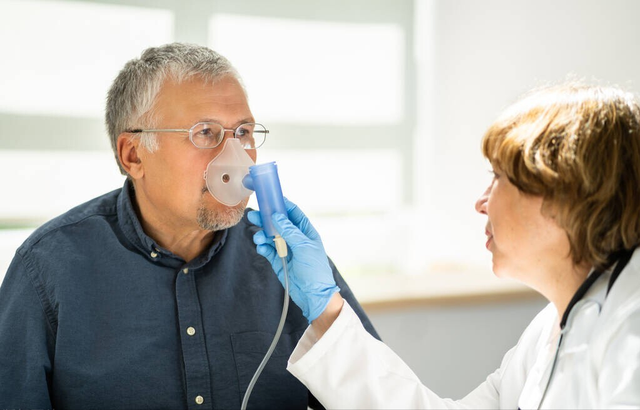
(311, 279)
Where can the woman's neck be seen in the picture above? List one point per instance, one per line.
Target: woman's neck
(563, 283)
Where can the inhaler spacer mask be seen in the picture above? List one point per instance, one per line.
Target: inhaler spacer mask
(225, 172)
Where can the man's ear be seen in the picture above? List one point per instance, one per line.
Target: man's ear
(128, 155)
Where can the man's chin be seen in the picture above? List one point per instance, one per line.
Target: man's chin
(219, 217)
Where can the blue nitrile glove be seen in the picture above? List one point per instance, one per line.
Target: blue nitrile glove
(311, 282)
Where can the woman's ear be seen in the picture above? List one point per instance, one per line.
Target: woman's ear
(128, 155)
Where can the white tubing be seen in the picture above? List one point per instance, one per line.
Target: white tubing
(283, 317)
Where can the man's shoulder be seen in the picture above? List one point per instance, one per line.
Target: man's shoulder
(103, 206)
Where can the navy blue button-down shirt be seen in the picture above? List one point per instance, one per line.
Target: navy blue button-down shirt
(95, 315)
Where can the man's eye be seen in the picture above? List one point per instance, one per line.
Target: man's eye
(206, 133)
(243, 132)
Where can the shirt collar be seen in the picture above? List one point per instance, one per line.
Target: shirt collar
(132, 229)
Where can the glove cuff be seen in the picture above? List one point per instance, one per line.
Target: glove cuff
(319, 303)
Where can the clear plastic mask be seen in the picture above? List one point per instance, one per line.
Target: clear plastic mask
(225, 172)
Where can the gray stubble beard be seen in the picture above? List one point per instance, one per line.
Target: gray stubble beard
(219, 220)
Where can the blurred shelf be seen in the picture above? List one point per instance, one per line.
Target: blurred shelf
(436, 289)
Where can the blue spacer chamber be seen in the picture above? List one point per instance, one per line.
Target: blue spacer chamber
(263, 179)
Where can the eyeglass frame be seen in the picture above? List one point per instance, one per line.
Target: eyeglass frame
(190, 132)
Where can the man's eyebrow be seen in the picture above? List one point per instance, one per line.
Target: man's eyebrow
(243, 121)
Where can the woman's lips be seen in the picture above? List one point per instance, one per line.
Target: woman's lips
(489, 238)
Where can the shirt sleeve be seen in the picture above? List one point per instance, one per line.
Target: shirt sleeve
(374, 377)
(26, 342)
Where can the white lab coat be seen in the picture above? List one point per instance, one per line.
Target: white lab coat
(598, 365)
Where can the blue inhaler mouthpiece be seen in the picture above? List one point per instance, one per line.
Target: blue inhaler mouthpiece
(263, 179)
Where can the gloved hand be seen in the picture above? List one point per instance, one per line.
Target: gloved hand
(311, 282)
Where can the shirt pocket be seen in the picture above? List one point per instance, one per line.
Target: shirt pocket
(276, 387)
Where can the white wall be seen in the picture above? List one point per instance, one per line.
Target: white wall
(483, 55)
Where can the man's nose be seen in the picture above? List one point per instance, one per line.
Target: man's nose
(481, 203)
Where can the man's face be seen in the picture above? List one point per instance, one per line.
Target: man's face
(173, 175)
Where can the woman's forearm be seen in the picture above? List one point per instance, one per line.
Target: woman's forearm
(326, 319)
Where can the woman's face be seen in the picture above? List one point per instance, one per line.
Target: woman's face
(523, 241)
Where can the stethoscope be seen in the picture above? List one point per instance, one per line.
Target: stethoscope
(622, 260)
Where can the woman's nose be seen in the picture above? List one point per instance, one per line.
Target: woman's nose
(481, 203)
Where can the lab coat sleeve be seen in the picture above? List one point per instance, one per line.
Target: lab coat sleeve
(348, 368)
(26, 342)
(619, 378)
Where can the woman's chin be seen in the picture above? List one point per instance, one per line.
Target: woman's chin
(498, 269)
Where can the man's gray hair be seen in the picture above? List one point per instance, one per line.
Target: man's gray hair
(133, 92)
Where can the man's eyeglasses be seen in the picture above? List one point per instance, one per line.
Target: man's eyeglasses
(210, 134)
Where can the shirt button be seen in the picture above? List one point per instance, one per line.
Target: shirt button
(199, 399)
(154, 255)
(185, 270)
(191, 331)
